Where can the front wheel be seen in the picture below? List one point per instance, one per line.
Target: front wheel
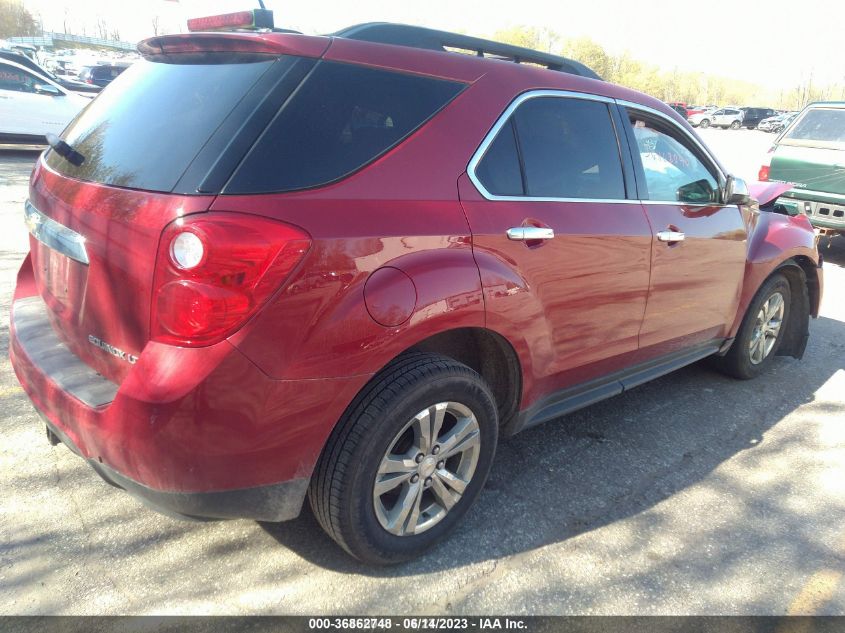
(705, 123)
(407, 460)
(761, 331)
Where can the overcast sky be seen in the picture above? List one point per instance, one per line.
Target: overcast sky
(776, 43)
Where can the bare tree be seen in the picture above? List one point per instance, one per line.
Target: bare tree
(102, 29)
(155, 25)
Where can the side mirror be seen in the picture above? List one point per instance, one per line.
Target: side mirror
(47, 89)
(698, 192)
(736, 191)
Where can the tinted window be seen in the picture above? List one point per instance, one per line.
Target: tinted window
(672, 170)
(820, 125)
(25, 61)
(107, 72)
(13, 79)
(499, 169)
(569, 149)
(342, 117)
(147, 127)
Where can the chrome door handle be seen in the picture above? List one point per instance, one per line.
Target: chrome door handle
(525, 233)
(670, 236)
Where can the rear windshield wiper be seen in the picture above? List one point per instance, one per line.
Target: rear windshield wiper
(64, 150)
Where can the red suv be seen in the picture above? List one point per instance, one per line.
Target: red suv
(267, 266)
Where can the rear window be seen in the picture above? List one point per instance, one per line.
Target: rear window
(342, 117)
(107, 72)
(820, 124)
(144, 130)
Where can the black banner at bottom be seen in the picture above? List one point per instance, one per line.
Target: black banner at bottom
(377, 624)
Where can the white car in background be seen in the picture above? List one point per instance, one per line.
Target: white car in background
(32, 106)
(721, 117)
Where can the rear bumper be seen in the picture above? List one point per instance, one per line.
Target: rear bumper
(276, 502)
(822, 214)
(197, 433)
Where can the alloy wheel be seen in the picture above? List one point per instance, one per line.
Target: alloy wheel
(766, 328)
(426, 468)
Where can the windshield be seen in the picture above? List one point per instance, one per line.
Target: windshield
(820, 124)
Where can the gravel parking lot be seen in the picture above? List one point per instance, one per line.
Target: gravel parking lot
(693, 494)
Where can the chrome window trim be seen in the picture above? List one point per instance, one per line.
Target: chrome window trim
(500, 123)
(567, 94)
(54, 235)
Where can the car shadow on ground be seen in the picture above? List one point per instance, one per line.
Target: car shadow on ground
(614, 460)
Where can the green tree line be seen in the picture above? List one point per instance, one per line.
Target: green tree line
(669, 85)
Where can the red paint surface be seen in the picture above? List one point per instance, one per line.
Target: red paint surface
(390, 296)
(257, 408)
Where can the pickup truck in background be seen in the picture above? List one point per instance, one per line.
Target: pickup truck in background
(810, 154)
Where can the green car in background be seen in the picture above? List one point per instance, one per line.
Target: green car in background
(810, 154)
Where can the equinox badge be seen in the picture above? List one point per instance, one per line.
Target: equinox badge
(111, 349)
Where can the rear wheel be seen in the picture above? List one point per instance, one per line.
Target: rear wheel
(735, 125)
(704, 123)
(408, 459)
(761, 332)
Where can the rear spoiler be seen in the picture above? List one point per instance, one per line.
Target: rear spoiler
(156, 48)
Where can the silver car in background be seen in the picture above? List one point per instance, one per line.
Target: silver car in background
(776, 123)
(721, 117)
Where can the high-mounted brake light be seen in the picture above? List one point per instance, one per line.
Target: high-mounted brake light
(215, 271)
(253, 19)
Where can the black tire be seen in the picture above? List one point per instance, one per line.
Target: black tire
(704, 123)
(738, 362)
(342, 487)
(735, 125)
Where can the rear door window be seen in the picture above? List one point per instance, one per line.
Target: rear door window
(569, 149)
(565, 147)
(499, 171)
(341, 118)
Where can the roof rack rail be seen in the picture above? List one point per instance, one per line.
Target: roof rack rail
(431, 39)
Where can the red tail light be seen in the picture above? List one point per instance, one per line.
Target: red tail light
(207, 290)
(763, 174)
